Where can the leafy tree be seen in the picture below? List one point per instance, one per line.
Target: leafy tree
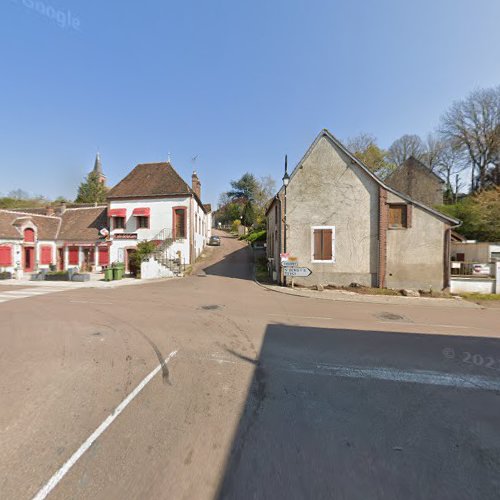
(246, 187)
(364, 147)
(92, 190)
(248, 216)
(479, 213)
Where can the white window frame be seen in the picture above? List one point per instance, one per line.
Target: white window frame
(332, 260)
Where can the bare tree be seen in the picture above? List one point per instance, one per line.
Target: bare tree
(404, 147)
(434, 150)
(449, 165)
(473, 125)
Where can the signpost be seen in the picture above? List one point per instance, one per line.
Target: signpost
(298, 272)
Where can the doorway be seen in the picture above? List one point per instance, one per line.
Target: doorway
(131, 265)
(60, 259)
(29, 259)
(88, 259)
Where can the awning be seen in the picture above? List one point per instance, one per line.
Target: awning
(117, 212)
(141, 212)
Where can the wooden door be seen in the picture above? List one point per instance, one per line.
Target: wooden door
(29, 259)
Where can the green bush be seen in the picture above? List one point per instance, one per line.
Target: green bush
(257, 236)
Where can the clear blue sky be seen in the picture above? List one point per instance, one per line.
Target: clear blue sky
(237, 82)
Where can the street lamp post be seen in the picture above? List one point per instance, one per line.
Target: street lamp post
(286, 180)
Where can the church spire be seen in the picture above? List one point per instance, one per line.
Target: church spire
(98, 168)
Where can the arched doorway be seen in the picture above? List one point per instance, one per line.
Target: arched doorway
(29, 250)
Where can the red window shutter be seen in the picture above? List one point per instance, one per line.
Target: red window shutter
(327, 244)
(46, 254)
(5, 255)
(29, 235)
(103, 256)
(73, 256)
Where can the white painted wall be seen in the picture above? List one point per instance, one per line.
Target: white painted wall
(477, 285)
(151, 269)
(161, 217)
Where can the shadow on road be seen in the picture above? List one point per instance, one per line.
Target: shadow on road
(349, 414)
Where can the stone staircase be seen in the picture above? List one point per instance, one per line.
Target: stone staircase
(164, 253)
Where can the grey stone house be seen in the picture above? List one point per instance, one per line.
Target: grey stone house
(347, 226)
(417, 181)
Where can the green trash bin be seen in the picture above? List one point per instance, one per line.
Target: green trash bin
(117, 273)
(108, 274)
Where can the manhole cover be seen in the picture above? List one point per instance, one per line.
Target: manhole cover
(390, 316)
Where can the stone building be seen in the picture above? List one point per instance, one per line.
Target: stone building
(417, 181)
(348, 226)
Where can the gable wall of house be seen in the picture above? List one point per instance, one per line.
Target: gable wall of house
(328, 191)
(415, 255)
(417, 184)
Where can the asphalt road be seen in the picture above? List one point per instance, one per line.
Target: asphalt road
(264, 395)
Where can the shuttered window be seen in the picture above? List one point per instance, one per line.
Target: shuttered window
(46, 254)
(323, 239)
(5, 255)
(73, 256)
(398, 216)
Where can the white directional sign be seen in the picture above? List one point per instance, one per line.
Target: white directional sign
(299, 272)
(289, 263)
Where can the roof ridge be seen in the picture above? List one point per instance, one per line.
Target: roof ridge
(29, 213)
(326, 133)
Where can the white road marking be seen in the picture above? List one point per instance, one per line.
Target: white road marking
(30, 292)
(462, 381)
(56, 478)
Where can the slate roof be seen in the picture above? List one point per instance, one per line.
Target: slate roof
(150, 179)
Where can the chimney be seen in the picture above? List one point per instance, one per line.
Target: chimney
(196, 184)
(49, 210)
(61, 209)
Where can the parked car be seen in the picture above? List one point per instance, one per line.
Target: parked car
(214, 241)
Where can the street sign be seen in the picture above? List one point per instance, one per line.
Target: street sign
(289, 263)
(299, 272)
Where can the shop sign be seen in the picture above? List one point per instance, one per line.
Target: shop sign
(125, 236)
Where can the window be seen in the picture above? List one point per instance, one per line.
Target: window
(179, 222)
(398, 216)
(46, 254)
(460, 257)
(142, 222)
(5, 255)
(495, 256)
(29, 235)
(323, 238)
(119, 222)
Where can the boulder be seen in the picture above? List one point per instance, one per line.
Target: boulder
(410, 293)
